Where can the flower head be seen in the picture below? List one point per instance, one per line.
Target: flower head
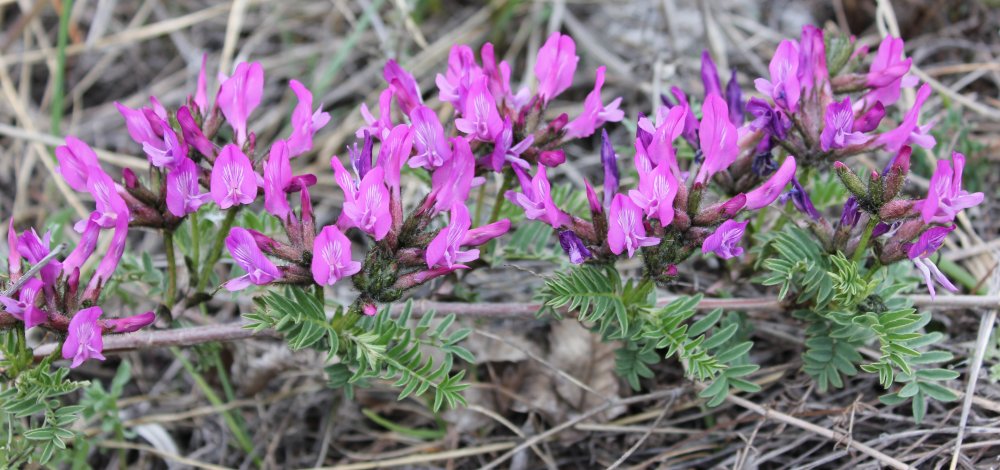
(945, 197)
(184, 194)
(626, 231)
(657, 189)
(428, 139)
(920, 252)
(784, 87)
(233, 180)
(480, 118)
(76, 161)
(247, 255)
(405, 86)
(445, 249)
(305, 122)
(724, 242)
(23, 308)
(368, 209)
(595, 113)
(504, 149)
(839, 129)
(239, 95)
(83, 340)
(717, 137)
(452, 182)
(536, 198)
(555, 66)
(887, 74)
(331, 259)
(277, 177)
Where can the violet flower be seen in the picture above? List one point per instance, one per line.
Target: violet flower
(710, 75)
(485, 233)
(838, 131)
(609, 160)
(110, 260)
(767, 118)
(851, 213)
(909, 130)
(277, 176)
(83, 249)
(380, 127)
(626, 231)
(453, 86)
(166, 152)
(233, 181)
(536, 198)
(574, 247)
(504, 149)
(452, 182)
(247, 255)
(131, 323)
(34, 248)
(83, 340)
(140, 128)
(784, 87)
(393, 153)
(239, 95)
(445, 249)
(368, 208)
(305, 122)
(656, 193)
(734, 99)
(945, 197)
(717, 137)
(183, 193)
(428, 139)
(110, 205)
(331, 260)
(192, 133)
(724, 242)
(870, 120)
(801, 200)
(406, 89)
(920, 252)
(887, 73)
(555, 65)
(23, 308)
(480, 119)
(595, 113)
(767, 192)
(76, 159)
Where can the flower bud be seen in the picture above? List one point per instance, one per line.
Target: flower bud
(870, 120)
(130, 324)
(899, 168)
(552, 158)
(896, 209)
(850, 180)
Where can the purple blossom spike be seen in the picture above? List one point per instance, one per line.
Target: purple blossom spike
(247, 255)
(920, 253)
(536, 198)
(574, 247)
(407, 91)
(23, 308)
(555, 66)
(710, 75)
(131, 323)
(331, 259)
(626, 231)
(717, 137)
(480, 118)
(767, 192)
(233, 180)
(945, 197)
(76, 161)
(378, 128)
(909, 130)
(609, 160)
(369, 209)
(184, 194)
(428, 139)
(305, 122)
(595, 113)
(801, 200)
(784, 87)
(445, 249)
(239, 95)
(734, 99)
(838, 131)
(277, 176)
(656, 193)
(84, 340)
(725, 241)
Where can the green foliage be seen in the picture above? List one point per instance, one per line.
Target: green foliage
(102, 405)
(847, 306)
(368, 348)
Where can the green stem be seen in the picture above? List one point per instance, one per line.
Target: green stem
(195, 240)
(216, 250)
(480, 199)
(507, 183)
(859, 252)
(59, 79)
(168, 244)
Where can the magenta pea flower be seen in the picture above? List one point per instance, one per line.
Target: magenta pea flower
(184, 194)
(536, 198)
(393, 153)
(717, 137)
(784, 87)
(140, 127)
(34, 249)
(192, 133)
(233, 181)
(734, 98)
(331, 259)
(812, 71)
(368, 209)
(609, 161)
(239, 95)
(201, 89)
(277, 176)
(428, 139)
(725, 241)
(452, 182)
(480, 118)
(23, 308)
(247, 255)
(909, 130)
(595, 113)
(453, 86)
(504, 149)
(555, 66)
(801, 200)
(838, 131)
(305, 122)
(13, 256)
(658, 146)
(131, 323)
(83, 340)
(167, 152)
(710, 75)
(870, 120)
(656, 193)
(110, 205)
(446, 248)
(406, 89)
(110, 260)
(83, 249)
(485, 233)
(920, 252)
(887, 73)
(574, 247)
(76, 159)
(767, 192)
(626, 231)
(378, 127)
(945, 197)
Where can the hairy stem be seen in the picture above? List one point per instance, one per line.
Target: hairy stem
(216, 251)
(859, 252)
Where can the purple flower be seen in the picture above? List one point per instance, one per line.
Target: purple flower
(23, 308)
(445, 249)
(555, 66)
(131, 323)
(609, 160)
(83, 249)
(626, 231)
(142, 130)
(909, 130)
(784, 87)
(574, 247)
(717, 137)
(451, 183)
(839, 129)
(76, 161)
(305, 122)
(406, 89)
(201, 90)
(595, 113)
(277, 176)
(239, 95)
(331, 259)
(453, 87)
(480, 118)
(887, 74)
(801, 201)
(110, 205)
(83, 340)
(13, 256)
(657, 189)
(945, 197)
(110, 260)
(34, 249)
(767, 192)
(871, 119)
(379, 128)
(536, 198)
(233, 180)
(165, 152)
(725, 241)
(504, 149)
(481, 235)
(851, 213)
(812, 71)
(767, 118)
(920, 252)
(184, 194)
(710, 75)
(657, 147)
(361, 160)
(429, 140)
(247, 255)
(690, 132)
(734, 98)
(393, 153)
(192, 133)
(368, 208)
